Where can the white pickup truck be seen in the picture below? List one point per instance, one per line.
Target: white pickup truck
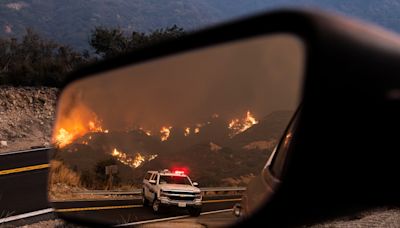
(165, 188)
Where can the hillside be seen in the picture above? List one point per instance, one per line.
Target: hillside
(70, 21)
(212, 157)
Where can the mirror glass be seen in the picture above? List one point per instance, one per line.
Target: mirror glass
(131, 142)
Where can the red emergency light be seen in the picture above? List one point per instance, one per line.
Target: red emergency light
(180, 170)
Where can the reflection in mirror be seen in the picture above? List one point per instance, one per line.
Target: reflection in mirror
(183, 134)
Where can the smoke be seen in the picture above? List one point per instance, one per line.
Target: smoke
(261, 75)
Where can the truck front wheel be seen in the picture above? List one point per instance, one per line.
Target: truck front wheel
(156, 206)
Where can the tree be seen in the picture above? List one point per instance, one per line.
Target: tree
(110, 42)
(35, 61)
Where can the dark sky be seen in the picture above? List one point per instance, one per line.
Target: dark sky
(261, 75)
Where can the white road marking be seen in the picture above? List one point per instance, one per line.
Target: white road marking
(26, 215)
(215, 212)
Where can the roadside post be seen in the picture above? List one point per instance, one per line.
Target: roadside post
(111, 170)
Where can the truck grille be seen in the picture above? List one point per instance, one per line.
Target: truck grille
(181, 193)
(191, 198)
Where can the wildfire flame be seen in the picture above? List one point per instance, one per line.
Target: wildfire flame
(196, 130)
(79, 122)
(133, 162)
(187, 131)
(138, 160)
(153, 156)
(63, 138)
(147, 132)
(239, 125)
(165, 131)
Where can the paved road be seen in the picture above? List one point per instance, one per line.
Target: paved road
(23, 181)
(376, 218)
(23, 189)
(218, 219)
(115, 212)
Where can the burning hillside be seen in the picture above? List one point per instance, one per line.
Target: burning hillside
(135, 151)
(138, 145)
(81, 121)
(78, 122)
(132, 161)
(240, 125)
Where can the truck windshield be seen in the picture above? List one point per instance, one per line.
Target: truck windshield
(174, 180)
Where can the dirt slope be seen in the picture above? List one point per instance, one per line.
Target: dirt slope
(26, 117)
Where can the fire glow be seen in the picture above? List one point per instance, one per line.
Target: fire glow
(187, 131)
(240, 125)
(81, 121)
(66, 135)
(165, 131)
(77, 123)
(133, 162)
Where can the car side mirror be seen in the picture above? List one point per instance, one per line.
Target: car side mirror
(223, 97)
(163, 120)
(195, 184)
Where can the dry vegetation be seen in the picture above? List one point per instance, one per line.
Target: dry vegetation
(62, 174)
(65, 184)
(63, 181)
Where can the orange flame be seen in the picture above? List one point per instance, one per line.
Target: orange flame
(239, 125)
(63, 137)
(133, 162)
(77, 123)
(165, 131)
(187, 131)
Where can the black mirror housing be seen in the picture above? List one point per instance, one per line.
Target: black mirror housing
(346, 132)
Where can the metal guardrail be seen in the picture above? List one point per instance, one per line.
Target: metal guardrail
(139, 191)
(223, 189)
(105, 192)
